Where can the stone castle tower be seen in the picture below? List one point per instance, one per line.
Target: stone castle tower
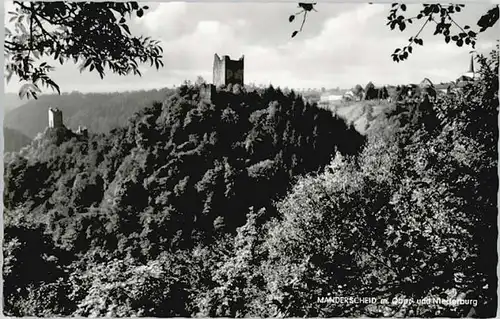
(228, 71)
(55, 118)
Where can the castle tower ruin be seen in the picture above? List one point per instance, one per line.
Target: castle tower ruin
(83, 131)
(228, 71)
(55, 118)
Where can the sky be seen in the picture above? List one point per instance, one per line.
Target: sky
(342, 44)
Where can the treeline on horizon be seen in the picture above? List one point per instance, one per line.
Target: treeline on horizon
(256, 204)
(99, 112)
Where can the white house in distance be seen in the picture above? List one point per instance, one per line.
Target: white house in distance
(327, 98)
(349, 96)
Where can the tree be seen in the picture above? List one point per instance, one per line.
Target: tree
(236, 291)
(439, 14)
(125, 287)
(413, 232)
(358, 91)
(370, 91)
(200, 80)
(383, 93)
(96, 34)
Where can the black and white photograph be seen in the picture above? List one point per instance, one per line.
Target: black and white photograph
(250, 159)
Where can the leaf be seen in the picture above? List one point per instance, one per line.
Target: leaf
(294, 33)
(125, 27)
(307, 6)
(403, 7)
(9, 75)
(402, 26)
(23, 28)
(410, 49)
(140, 13)
(291, 18)
(25, 89)
(53, 85)
(447, 39)
(489, 19)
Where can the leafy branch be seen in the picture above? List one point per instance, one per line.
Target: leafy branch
(441, 15)
(96, 34)
(306, 8)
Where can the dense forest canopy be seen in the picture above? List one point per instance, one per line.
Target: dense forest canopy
(236, 208)
(182, 173)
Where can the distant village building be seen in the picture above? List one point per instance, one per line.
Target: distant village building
(311, 99)
(427, 89)
(227, 71)
(327, 98)
(55, 118)
(349, 96)
(471, 73)
(467, 77)
(426, 83)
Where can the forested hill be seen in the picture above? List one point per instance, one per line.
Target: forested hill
(180, 174)
(14, 140)
(99, 112)
(10, 101)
